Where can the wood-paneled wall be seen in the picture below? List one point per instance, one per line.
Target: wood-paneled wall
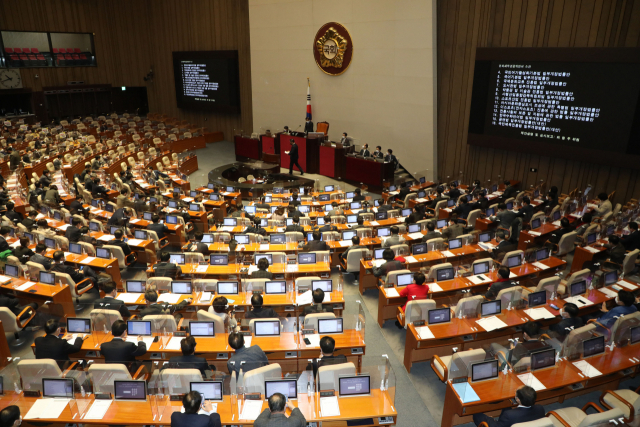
(131, 36)
(464, 25)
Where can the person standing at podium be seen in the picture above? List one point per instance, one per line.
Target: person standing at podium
(293, 156)
(365, 151)
(344, 140)
(308, 125)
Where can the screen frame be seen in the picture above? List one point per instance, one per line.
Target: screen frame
(115, 386)
(255, 327)
(473, 365)
(201, 322)
(209, 382)
(354, 394)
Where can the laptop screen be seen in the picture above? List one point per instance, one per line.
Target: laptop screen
(481, 268)
(173, 204)
(444, 274)
(57, 387)
(330, 326)
(455, 243)
(543, 359)
(593, 346)
(381, 215)
(135, 286)
(325, 285)
(384, 231)
(354, 386)
(484, 370)
(210, 390)
(484, 237)
(288, 388)
(172, 219)
(50, 243)
(635, 335)
(490, 212)
(201, 329)
(230, 222)
(414, 228)
(266, 328)
(147, 216)
(78, 325)
(377, 253)
(356, 205)
(219, 259)
(490, 308)
(514, 261)
(441, 223)
(103, 253)
(320, 220)
(405, 212)
(289, 221)
(348, 235)
(439, 315)
(138, 327)
(258, 257)
(228, 288)
(181, 287)
(47, 278)
(404, 279)
(542, 254)
(113, 229)
(419, 248)
(277, 239)
(328, 188)
(308, 258)
(535, 223)
(177, 259)
(610, 277)
(11, 270)
(537, 298)
(578, 288)
(140, 234)
(352, 219)
(591, 238)
(277, 287)
(130, 390)
(75, 248)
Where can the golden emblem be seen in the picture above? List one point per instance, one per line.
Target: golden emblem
(331, 47)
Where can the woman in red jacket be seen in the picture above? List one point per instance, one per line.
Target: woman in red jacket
(416, 290)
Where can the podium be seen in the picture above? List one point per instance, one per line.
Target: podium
(370, 172)
(332, 160)
(269, 145)
(247, 148)
(308, 152)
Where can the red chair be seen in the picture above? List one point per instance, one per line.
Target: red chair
(76, 57)
(17, 50)
(83, 56)
(41, 57)
(68, 57)
(77, 50)
(63, 50)
(15, 58)
(69, 50)
(26, 50)
(34, 50)
(8, 50)
(24, 57)
(32, 58)
(55, 50)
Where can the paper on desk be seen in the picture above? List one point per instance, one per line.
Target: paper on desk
(129, 297)
(345, 243)
(540, 265)
(627, 285)
(592, 205)
(587, 369)
(314, 340)
(87, 260)
(410, 259)
(535, 233)
(169, 297)
(539, 313)
(64, 227)
(47, 408)
(187, 199)
(329, 406)
(252, 268)
(556, 223)
(247, 341)
(591, 249)
(107, 237)
(377, 262)
(201, 411)
(4, 279)
(304, 298)
(417, 235)
(202, 268)
(251, 409)
(264, 246)
(434, 287)
(147, 340)
(226, 228)
(476, 280)
(374, 223)
(391, 292)
(15, 244)
(134, 242)
(466, 392)
(579, 301)
(486, 246)
(25, 286)
(512, 275)
(206, 296)
(173, 344)
(608, 292)
(424, 333)
(98, 409)
(491, 323)
(134, 221)
(531, 380)
(327, 297)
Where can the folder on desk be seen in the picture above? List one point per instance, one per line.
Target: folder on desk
(608, 292)
(491, 323)
(628, 285)
(539, 313)
(425, 333)
(530, 380)
(410, 259)
(129, 297)
(540, 265)
(476, 280)
(466, 393)
(416, 236)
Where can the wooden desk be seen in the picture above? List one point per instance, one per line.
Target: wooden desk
(247, 148)
(332, 161)
(582, 255)
(235, 269)
(368, 171)
(138, 248)
(109, 266)
(528, 240)
(60, 296)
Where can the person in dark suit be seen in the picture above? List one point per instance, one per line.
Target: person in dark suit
(431, 232)
(198, 246)
(344, 140)
(295, 226)
(118, 350)
(364, 152)
(97, 190)
(295, 200)
(23, 252)
(359, 222)
(390, 158)
(165, 268)
(293, 157)
(77, 276)
(483, 203)
(510, 190)
(73, 231)
(192, 403)
(463, 208)
(632, 241)
(415, 216)
(378, 154)
(526, 211)
(110, 303)
(358, 197)
(565, 228)
(275, 414)
(454, 192)
(454, 229)
(570, 320)
(14, 216)
(355, 240)
(30, 220)
(316, 244)
(4, 232)
(327, 347)
(52, 347)
(122, 245)
(262, 272)
(257, 310)
(502, 283)
(385, 205)
(316, 307)
(121, 216)
(504, 217)
(439, 197)
(39, 257)
(160, 229)
(502, 245)
(153, 308)
(389, 265)
(526, 410)
(256, 228)
(10, 416)
(189, 360)
(308, 125)
(14, 159)
(617, 250)
(13, 304)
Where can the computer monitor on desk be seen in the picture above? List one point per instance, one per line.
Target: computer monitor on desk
(481, 268)
(537, 298)
(592, 238)
(307, 258)
(288, 388)
(325, 285)
(535, 223)
(11, 270)
(439, 315)
(484, 371)
(404, 279)
(219, 259)
(138, 327)
(455, 243)
(356, 385)
(441, 223)
(384, 231)
(377, 253)
(490, 212)
(78, 325)
(542, 254)
(593, 346)
(635, 335)
(47, 278)
(202, 329)
(348, 235)
(381, 215)
(578, 288)
(57, 387)
(177, 259)
(610, 277)
(330, 326)
(444, 274)
(277, 239)
(490, 308)
(419, 248)
(275, 287)
(131, 390)
(266, 328)
(514, 261)
(414, 228)
(181, 287)
(227, 288)
(210, 390)
(543, 359)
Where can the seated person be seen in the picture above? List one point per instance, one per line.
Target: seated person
(624, 305)
(316, 244)
(10, 416)
(355, 240)
(14, 216)
(256, 228)
(502, 283)
(220, 308)
(586, 223)
(275, 414)
(160, 229)
(463, 208)
(416, 290)
(526, 211)
(335, 211)
(358, 197)
(360, 222)
(188, 360)
(109, 302)
(526, 411)
(504, 216)
(262, 272)
(531, 342)
(118, 350)
(23, 252)
(316, 307)
(502, 245)
(153, 308)
(617, 251)
(43, 228)
(30, 221)
(165, 268)
(454, 229)
(394, 239)
(76, 274)
(198, 246)
(570, 320)
(73, 231)
(253, 357)
(390, 265)
(191, 417)
(86, 237)
(327, 347)
(632, 240)
(257, 310)
(51, 346)
(431, 232)
(13, 304)
(565, 228)
(122, 245)
(295, 226)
